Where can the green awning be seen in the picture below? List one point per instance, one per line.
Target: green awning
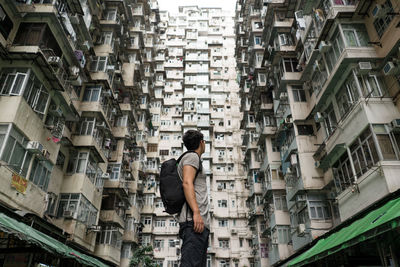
(33, 236)
(380, 220)
(333, 156)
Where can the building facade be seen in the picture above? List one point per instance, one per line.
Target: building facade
(94, 96)
(319, 86)
(76, 81)
(196, 88)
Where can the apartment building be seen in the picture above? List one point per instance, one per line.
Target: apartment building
(195, 88)
(76, 81)
(319, 83)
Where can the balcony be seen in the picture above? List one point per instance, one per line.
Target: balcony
(91, 142)
(108, 252)
(111, 216)
(279, 217)
(343, 64)
(117, 184)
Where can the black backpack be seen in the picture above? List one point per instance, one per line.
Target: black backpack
(171, 189)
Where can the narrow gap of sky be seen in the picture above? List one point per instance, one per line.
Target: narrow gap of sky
(172, 5)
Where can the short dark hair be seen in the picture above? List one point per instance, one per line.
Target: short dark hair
(192, 139)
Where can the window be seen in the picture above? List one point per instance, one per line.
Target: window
(347, 96)
(160, 223)
(98, 64)
(114, 170)
(110, 235)
(126, 251)
(363, 154)
(164, 152)
(223, 243)
(224, 263)
(78, 207)
(147, 220)
(92, 94)
(173, 223)
(299, 95)
(60, 159)
(12, 83)
(283, 234)
(222, 203)
(280, 202)
(12, 149)
(257, 40)
(222, 223)
(171, 243)
(319, 210)
(152, 147)
(289, 65)
(111, 14)
(330, 120)
(146, 240)
(40, 173)
(305, 129)
(24, 82)
(158, 243)
(355, 34)
(381, 24)
(106, 38)
(371, 85)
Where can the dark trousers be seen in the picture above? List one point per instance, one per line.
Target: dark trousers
(194, 246)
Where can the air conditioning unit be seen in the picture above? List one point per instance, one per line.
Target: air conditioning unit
(69, 214)
(94, 228)
(34, 147)
(324, 46)
(121, 204)
(293, 159)
(379, 11)
(56, 110)
(395, 125)
(212, 122)
(105, 175)
(53, 60)
(74, 70)
(289, 170)
(364, 67)
(390, 68)
(318, 117)
(74, 19)
(301, 229)
(233, 231)
(288, 120)
(220, 187)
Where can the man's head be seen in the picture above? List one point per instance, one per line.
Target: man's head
(193, 140)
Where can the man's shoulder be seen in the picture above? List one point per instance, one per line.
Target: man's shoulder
(190, 158)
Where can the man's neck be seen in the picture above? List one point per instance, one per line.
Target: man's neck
(198, 151)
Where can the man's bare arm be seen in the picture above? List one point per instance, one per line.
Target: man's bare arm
(189, 174)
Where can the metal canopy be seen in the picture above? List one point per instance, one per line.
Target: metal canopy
(374, 223)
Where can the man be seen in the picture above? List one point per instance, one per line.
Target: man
(194, 218)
